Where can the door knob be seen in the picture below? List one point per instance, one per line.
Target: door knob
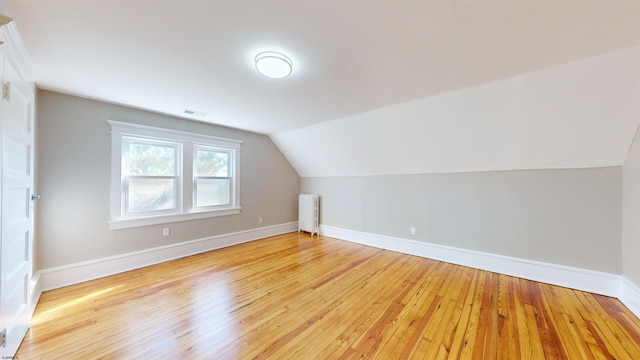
(35, 197)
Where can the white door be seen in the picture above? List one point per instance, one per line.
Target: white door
(17, 208)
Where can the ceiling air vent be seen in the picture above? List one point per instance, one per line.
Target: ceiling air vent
(194, 113)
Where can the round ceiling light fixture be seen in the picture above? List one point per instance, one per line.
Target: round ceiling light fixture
(273, 64)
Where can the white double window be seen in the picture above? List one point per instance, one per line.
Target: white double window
(160, 175)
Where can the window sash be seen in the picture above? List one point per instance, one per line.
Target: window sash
(196, 198)
(128, 213)
(199, 205)
(127, 142)
(227, 152)
(174, 193)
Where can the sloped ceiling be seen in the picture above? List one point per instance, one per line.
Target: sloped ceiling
(352, 60)
(576, 115)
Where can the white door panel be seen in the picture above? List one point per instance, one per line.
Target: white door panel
(16, 121)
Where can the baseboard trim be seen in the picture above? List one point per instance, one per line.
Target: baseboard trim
(57, 277)
(576, 278)
(630, 295)
(35, 291)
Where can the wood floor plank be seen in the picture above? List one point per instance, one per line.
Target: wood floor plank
(338, 321)
(427, 298)
(358, 315)
(300, 297)
(409, 323)
(464, 341)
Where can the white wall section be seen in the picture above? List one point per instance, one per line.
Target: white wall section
(576, 115)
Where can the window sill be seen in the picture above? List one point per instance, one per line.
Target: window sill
(156, 220)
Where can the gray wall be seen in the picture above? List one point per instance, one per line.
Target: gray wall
(566, 217)
(73, 166)
(631, 214)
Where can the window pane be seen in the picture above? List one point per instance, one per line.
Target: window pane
(152, 160)
(212, 192)
(211, 163)
(151, 195)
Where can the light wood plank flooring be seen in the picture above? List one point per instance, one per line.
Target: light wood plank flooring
(299, 297)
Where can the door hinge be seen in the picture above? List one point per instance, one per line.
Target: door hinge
(3, 338)
(6, 91)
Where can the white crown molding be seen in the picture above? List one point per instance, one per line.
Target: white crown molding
(576, 278)
(57, 277)
(17, 52)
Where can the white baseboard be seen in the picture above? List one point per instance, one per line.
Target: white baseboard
(576, 278)
(36, 292)
(630, 295)
(57, 277)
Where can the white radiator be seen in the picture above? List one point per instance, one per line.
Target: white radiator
(308, 210)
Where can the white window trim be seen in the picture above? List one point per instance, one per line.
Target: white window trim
(188, 140)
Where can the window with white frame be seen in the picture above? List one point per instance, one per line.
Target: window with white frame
(212, 180)
(150, 177)
(160, 176)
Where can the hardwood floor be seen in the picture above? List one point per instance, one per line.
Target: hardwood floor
(298, 297)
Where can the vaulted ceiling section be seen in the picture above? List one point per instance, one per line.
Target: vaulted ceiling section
(378, 87)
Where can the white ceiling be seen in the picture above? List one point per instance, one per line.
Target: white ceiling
(349, 57)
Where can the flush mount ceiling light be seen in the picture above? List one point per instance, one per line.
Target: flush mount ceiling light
(273, 64)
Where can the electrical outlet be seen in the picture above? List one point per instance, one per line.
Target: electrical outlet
(165, 232)
(260, 220)
(412, 230)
